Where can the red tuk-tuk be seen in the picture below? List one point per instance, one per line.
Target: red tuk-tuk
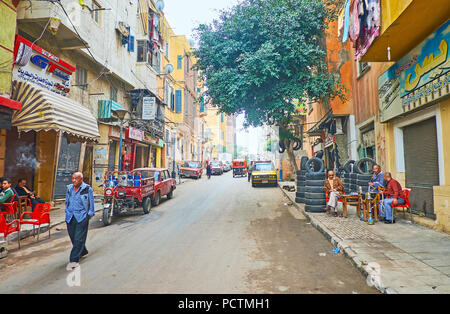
(124, 191)
(239, 167)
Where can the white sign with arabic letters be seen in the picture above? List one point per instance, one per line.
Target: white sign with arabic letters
(148, 108)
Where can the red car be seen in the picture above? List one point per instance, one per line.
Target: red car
(191, 169)
(164, 183)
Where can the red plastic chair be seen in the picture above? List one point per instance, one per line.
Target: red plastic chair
(7, 228)
(40, 216)
(407, 204)
(9, 208)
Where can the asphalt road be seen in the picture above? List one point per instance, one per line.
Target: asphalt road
(216, 236)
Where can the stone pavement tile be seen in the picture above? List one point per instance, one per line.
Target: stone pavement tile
(444, 270)
(398, 256)
(400, 280)
(442, 262)
(445, 289)
(420, 289)
(434, 280)
(433, 255)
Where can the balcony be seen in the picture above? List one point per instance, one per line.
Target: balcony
(32, 20)
(404, 25)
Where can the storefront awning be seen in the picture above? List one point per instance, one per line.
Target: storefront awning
(43, 110)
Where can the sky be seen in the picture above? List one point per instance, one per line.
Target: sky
(184, 16)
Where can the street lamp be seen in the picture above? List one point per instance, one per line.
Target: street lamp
(120, 113)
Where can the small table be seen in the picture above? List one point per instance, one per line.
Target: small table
(351, 200)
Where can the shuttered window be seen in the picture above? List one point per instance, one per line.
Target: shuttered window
(179, 62)
(178, 101)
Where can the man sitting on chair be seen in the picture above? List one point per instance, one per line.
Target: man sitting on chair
(334, 189)
(23, 190)
(7, 193)
(377, 179)
(394, 197)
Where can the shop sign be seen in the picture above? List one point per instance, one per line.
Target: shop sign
(114, 132)
(35, 65)
(420, 77)
(148, 108)
(150, 139)
(135, 134)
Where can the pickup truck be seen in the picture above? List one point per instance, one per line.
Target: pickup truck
(164, 183)
(191, 169)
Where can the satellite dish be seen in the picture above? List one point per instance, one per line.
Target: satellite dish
(159, 5)
(168, 68)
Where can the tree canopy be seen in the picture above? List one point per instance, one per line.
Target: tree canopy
(261, 55)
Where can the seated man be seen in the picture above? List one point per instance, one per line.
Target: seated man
(7, 193)
(334, 189)
(394, 196)
(377, 179)
(23, 190)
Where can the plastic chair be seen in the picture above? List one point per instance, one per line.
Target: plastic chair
(10, 208)
(40, 216)
(407, 204)
(7, 228)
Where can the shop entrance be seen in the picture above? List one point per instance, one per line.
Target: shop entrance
(68, 163)
(20, 158)
(421, 164)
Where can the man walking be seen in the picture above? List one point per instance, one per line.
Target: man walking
(394, 197)
(334, 188)
(208, 170)
(79, 209)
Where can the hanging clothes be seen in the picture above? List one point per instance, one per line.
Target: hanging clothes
(370, 28)
(341, 21)
(354, 20)
(346, 20)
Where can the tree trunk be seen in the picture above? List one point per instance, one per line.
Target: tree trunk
(290, 152)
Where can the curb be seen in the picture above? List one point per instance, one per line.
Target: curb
(340, 243)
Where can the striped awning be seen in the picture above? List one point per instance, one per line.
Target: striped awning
(43, 110)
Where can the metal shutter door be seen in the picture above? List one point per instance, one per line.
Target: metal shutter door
(421, 164)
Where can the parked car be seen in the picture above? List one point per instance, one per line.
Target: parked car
(226, 166)
(191, 169)
(217, 167)
(264, 174)
(164, 183)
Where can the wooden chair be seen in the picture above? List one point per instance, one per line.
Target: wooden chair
(22, 205)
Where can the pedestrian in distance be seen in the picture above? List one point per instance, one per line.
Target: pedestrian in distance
(79, 210)
(208, 170)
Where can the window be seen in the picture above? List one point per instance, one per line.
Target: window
(221, 117)
(187, 64)
(167, 142)
(167, 50)
(186, 103)
(172, 99)
(179, 62)
(113, 93)
(142, 51)
(81, 77)
(95, 13)
(363, 67)
(178, 101)
(156, 61)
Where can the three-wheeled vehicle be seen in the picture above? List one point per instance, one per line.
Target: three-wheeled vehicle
(124, 191)
(239, 167)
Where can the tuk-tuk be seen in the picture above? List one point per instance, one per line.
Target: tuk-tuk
(239, 167)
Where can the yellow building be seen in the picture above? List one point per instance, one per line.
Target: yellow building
(216, 132)
(414, 107)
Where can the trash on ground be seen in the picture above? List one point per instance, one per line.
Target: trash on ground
(322, 254)
(335, 251)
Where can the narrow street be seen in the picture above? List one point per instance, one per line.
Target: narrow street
(217, 236)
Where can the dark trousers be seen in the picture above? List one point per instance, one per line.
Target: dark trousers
(78, 233)
(35, 201)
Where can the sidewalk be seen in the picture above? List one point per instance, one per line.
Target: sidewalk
(400, 258)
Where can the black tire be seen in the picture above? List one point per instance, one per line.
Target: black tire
(315, 202)
(314, 189)
(362, 183)
(107, 219)
(301, 183)
(348, 166)
(364, 177)
(361, 162)
(303, 162)
(300, 194)
(147, 205)
(315, 196)
(314, 209)
(170, 195)
(253, 185)
(315, 165)
(315, 176)
(157, 199)
(315, 183)
(301, 178)
(299, 200)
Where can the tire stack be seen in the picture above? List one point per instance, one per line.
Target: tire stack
(348, 169)
(346, 183)
(364, 169)
(314, 193)
(353, 182)
(363, 182)
(301, 182)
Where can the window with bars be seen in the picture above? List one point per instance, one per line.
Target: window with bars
(81, 77)
(113, 93)
(142, 51)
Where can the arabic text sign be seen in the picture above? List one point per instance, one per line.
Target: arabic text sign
(148, 108)
(38, 66)
(420, 77)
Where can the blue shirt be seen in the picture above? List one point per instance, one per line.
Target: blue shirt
(79, 204)
(378, 180)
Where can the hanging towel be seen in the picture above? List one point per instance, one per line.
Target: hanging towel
(346, 20)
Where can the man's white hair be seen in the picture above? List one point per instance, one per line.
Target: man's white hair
(78, 174)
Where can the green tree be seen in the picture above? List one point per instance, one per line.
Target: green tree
(261, 55)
